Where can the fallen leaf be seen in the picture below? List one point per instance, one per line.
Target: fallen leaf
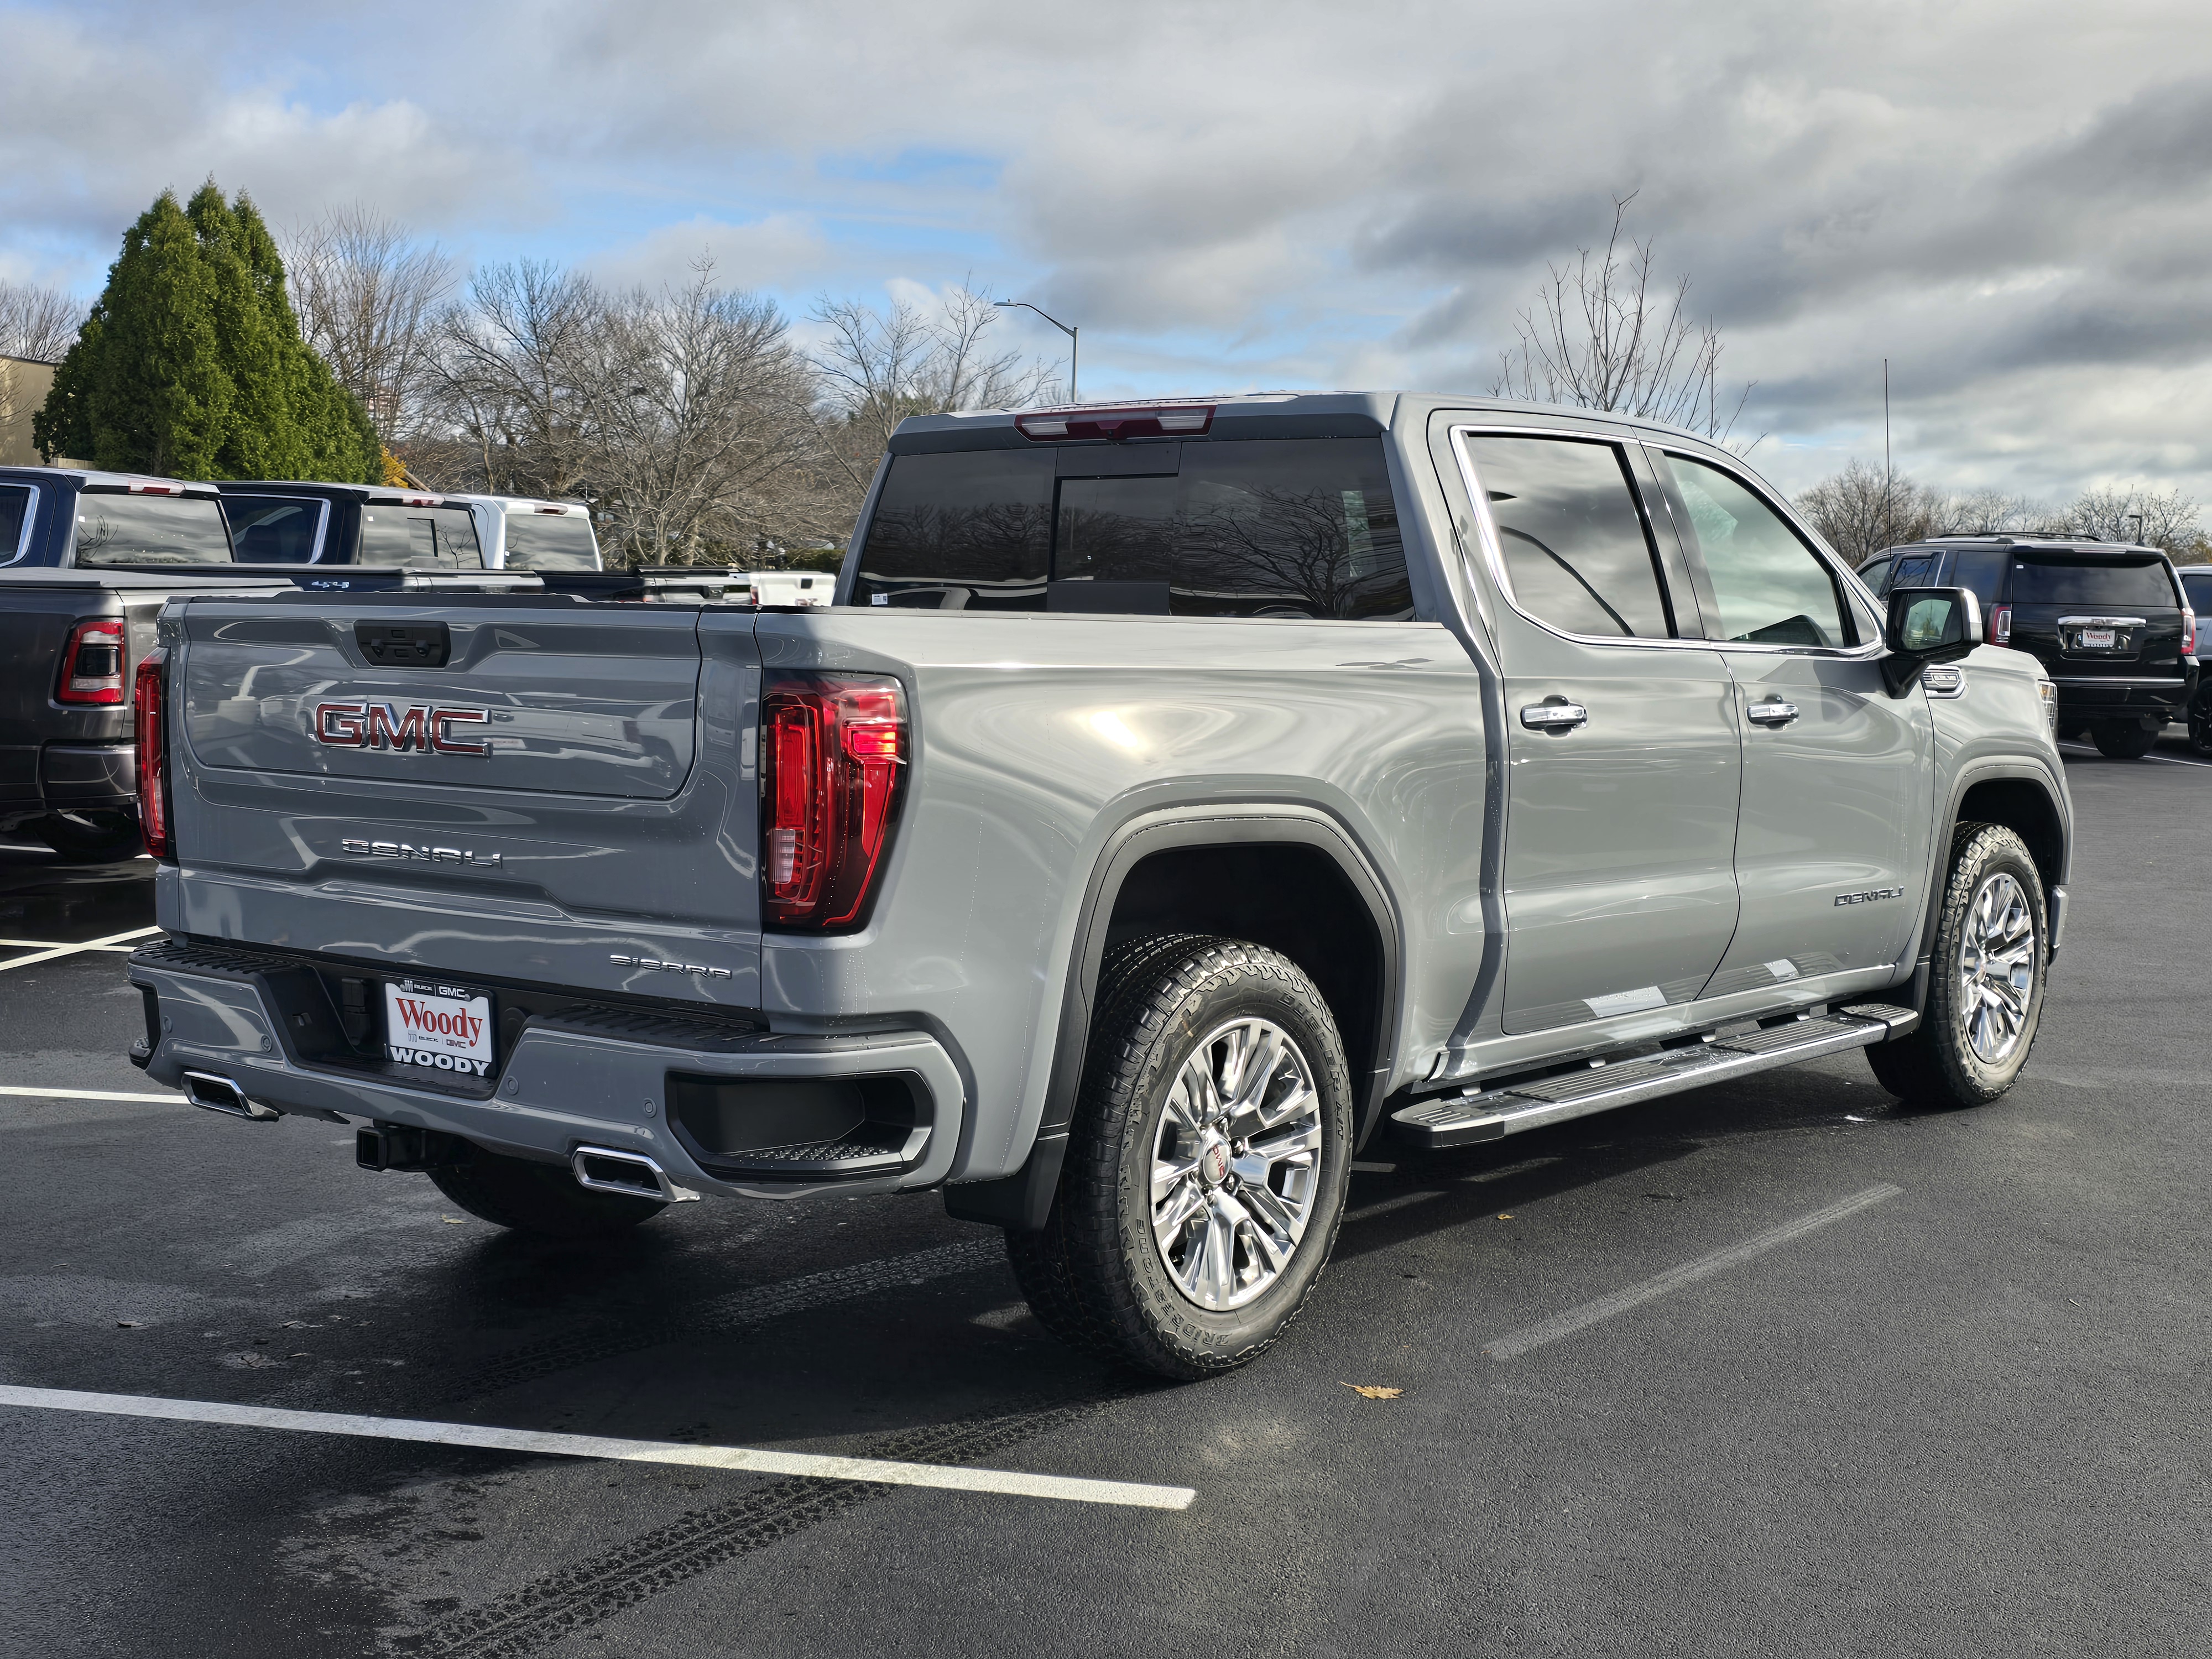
(1369, 1391)
(1508, 1216)
(452, 1221)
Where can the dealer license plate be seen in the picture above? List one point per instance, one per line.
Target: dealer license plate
(444, 1028)
(2100, 639)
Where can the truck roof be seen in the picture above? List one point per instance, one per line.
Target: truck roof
(1239, 415)
(2086, 546)
(84, 478)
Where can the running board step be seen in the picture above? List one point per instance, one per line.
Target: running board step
(1462, 1120)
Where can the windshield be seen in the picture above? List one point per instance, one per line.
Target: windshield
(420, 537)
(149, 529)
(1248, 527)
(549, 541)
(2100, 583)
(274, 529)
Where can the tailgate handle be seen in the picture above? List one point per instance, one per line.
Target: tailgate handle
(404, 645)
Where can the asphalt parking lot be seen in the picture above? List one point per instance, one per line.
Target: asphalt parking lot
(1774, 1368)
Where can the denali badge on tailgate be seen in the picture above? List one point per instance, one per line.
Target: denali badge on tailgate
(403, 849)
(401, 728)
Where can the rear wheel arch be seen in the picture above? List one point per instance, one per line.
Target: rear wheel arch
(1285, 877)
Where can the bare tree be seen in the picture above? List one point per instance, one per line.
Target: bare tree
(695, 413)
(2164, 519)
(878, 368)
(367, 299)
(503, 382)
(1862, 510)
(1604, 340)
(37, 323)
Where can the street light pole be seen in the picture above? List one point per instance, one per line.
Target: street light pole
(1073, 342)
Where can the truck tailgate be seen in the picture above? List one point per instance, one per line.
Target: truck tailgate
(517, 786)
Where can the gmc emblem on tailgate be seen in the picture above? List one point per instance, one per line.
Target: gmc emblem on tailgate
(413, 727)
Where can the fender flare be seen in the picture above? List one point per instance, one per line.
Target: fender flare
(1023, 1200)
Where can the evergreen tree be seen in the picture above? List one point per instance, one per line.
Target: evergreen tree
(192, 362)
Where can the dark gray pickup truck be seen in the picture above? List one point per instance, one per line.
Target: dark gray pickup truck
(1177, 799)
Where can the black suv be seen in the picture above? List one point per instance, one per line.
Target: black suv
(2110, 623)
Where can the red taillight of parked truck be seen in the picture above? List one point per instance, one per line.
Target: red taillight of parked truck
(92, 663)
(149, 702)
(2000, 624)
(833, 748)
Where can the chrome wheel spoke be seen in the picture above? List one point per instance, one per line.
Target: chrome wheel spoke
(1235, 1162)
(1997, 964)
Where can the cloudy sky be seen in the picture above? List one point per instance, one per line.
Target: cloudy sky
(2012, 203)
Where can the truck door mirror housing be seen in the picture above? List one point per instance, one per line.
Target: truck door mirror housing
(1927, 625)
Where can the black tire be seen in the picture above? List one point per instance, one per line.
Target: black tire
(1095, 1276)
(1938, 1064)
(2122, 739)
(2200, 723)
(91, 837)
(537, 1198)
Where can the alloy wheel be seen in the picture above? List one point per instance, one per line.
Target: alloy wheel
(1996, 968)
(1235, 1164)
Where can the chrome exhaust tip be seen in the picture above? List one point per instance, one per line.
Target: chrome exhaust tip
(633, 1175)
(220, 1094)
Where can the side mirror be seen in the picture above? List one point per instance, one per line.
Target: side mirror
(1927, 625)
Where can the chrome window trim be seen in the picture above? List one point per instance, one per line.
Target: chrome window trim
(30, 519)
(1494, 556)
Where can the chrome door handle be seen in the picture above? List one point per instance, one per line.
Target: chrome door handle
(1554, 716)
(1773, 712)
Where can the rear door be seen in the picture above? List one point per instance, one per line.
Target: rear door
(1623, 756)
(516, 786)
(1837, 775)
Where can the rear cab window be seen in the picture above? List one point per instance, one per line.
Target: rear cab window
(1296, 527)
(420, 537)
(119, 529)
(549, 541)
(276, 529)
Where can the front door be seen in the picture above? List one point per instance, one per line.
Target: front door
(1832, 836)
(1621, 742)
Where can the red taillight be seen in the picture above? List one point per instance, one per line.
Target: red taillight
(2000, 624)
(2189, 633)
(833, 747)
(92, 663)
(1178, 421)
(149, 701)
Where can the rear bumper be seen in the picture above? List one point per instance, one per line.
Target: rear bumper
(558, 1087)
(2088, 696)
(59, 777)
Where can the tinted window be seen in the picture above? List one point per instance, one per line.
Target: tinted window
(1769, 586)
(2036, 581)
(425, 537)
(1574, 548)
(549, 541)
(1251, 527)
(961, 530)
(274, 529)
(1914, 570)
(149, 529)
(1875, 574)
(15, 512)
(1981, 569)
(2198, 587)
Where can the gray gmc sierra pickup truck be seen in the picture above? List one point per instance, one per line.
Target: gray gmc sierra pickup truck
(1177, 797)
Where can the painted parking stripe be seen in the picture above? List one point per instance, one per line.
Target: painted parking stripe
(86, 1094)
(998, 1482)
(59, 945)
(2163, 760)
(49, 954)
(1620, 1301)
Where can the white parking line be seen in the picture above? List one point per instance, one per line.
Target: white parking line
(58, 944)
(49, 954)
(1592, 1313)
(950, 1478)
(85, 1093)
